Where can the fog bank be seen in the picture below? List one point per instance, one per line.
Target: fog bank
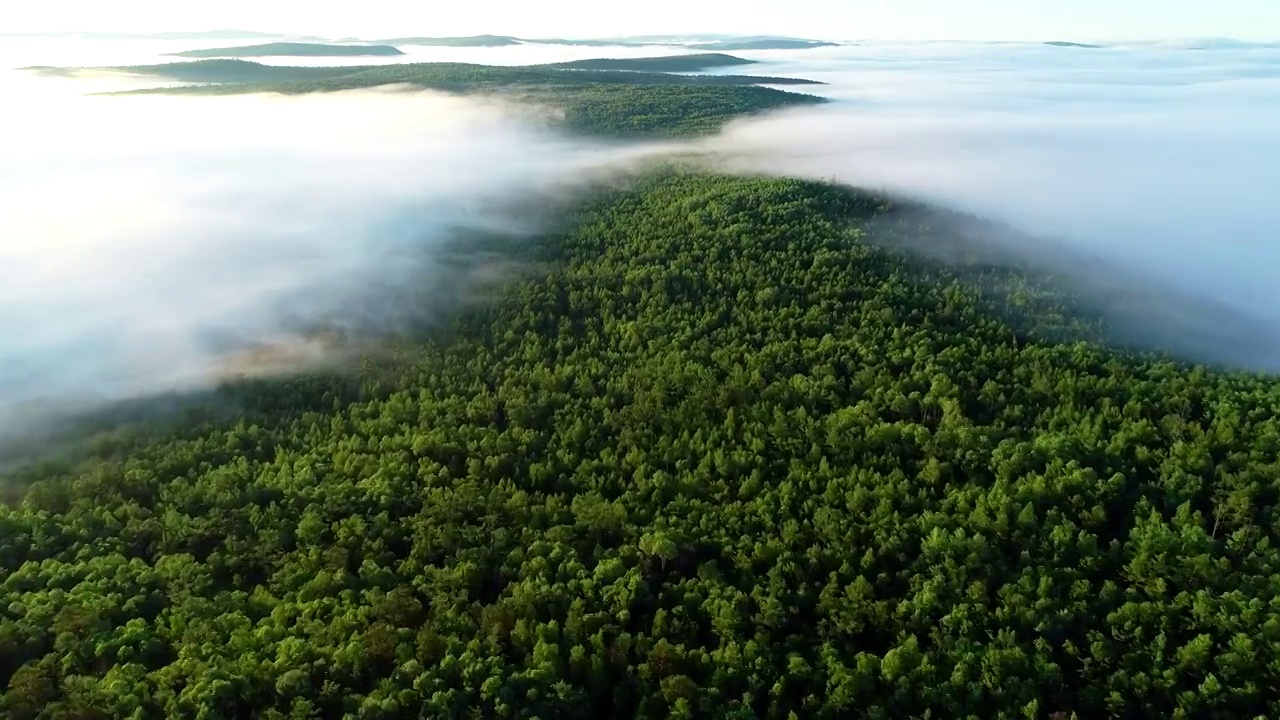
(161, 243)
(156, 244)
(1159, 161)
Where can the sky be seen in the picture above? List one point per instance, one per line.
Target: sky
(1080, 20)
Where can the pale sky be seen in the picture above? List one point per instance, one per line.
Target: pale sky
(828, 19)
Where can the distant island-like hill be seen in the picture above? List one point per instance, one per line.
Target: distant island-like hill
(762, 44)
(673, 63)
(726, 43)
(693, 42)
(469, 41)
(1063, 43)
(213, 72)
(292, 49)
(590, 101)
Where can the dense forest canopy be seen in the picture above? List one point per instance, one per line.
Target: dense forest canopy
(292, 49)
(730, 447)
(730, 455)
(463, 76)
(701, 42)
(214, 70)
(727, 42)
(613, 103)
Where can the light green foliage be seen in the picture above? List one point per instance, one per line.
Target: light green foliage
(726, 459)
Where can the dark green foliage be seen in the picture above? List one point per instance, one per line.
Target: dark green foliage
(674, 63)
(725, 43)
(291, 49)
(598, 102)
(674, 110)
(225, 70)
(450, 76)
(728, 459)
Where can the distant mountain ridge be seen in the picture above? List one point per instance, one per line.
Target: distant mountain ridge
(697, 41)
(673, 63)
(292, 49)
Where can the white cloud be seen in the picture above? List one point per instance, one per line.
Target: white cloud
(139, 244)
(1156, 159)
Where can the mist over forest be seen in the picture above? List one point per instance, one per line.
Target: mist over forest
(640, 377)
(153, 229)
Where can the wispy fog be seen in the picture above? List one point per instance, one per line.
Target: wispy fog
(1160, 160)
(154, 243)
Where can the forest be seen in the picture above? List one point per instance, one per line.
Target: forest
(770, 43)
(728, 453)
(698, 43)
(610, 103)
(291, 49)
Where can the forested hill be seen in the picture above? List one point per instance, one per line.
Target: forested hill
(291, 49)
(468, 41)
(727, 458)
(670, 63)
(733, 44)
(616, 103)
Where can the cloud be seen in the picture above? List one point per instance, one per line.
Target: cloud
(1158, 161)
(158, 243)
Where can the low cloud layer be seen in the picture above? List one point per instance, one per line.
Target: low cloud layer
(1159, 161)
(158, 243)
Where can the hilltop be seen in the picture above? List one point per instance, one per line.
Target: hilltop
(291, 49)
(1063, 43)
(220, 71)
(763, 44)
(598, 102)
(470, 41)
(673, 63)
(732, 448)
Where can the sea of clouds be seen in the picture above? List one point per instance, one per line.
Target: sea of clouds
(143, 238)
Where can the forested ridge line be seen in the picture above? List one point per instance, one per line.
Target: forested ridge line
(728, 458)
(595, 101)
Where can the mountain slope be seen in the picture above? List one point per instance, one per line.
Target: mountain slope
(672, 63)
(728, 458)
(617, 103)
(291, 49)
